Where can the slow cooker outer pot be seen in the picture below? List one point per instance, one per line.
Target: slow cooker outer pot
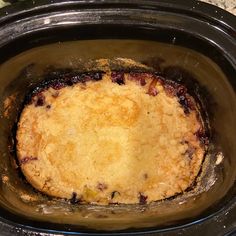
(204, 28)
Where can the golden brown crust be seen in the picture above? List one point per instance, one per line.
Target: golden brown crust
(102, 142)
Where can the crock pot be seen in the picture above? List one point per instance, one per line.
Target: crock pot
(195, 40)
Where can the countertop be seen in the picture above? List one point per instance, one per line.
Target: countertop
(229, 5)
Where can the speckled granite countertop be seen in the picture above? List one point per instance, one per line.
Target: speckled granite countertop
(229, 5)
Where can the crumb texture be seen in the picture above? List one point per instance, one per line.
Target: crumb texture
(122, 139)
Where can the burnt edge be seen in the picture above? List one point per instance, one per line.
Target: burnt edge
(60, 78)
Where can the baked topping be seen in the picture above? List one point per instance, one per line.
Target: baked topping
(94, 141)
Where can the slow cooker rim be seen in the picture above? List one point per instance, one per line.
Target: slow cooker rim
(195, 8)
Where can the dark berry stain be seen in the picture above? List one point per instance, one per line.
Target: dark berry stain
(40, 100)
(74, 199)
(25, 160)
(152, 87)
(142, 82)
(118, 77)
(169, 89)
(138, 77)
(142, 199)
(101, 186)
(97, 76)
(184, 103)
(181, 90)
(174, 89)
(57, 85)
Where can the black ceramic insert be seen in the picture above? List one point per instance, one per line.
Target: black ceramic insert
(186, 38)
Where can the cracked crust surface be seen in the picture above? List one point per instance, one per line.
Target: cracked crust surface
(107, 142)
